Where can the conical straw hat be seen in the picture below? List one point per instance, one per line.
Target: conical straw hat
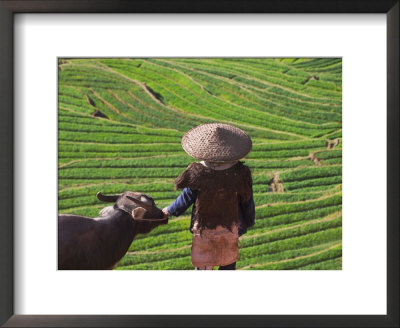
(216, 142)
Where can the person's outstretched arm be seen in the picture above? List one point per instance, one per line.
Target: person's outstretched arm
(182, 203)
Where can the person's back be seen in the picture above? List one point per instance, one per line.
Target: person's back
(220, 188)
(218, 193)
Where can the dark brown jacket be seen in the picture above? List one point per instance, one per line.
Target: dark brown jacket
(218, 193)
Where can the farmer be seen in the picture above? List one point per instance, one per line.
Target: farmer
(220, 187)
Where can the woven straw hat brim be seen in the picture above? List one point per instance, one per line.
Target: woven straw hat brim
(216, 142)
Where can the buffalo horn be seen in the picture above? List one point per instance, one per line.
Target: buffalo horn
(152, 209)
(107, 199)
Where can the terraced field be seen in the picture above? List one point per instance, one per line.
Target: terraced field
(120, 123)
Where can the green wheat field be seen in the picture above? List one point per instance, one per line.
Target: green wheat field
(120, 123)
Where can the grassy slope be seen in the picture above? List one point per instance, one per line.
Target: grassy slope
(288, 106)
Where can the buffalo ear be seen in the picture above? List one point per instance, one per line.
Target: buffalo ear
(138, 213)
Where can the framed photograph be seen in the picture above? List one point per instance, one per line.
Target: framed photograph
(111, 109)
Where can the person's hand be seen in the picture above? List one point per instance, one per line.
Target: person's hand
(166, 213)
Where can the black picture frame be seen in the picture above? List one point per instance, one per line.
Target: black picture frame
(7, 201)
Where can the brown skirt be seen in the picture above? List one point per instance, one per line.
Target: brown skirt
(215, 247)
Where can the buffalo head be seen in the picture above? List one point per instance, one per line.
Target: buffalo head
(141, 206)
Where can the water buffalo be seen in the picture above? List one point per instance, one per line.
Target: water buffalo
(99, 243)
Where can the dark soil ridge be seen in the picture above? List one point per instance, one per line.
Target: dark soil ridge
(62, 62)
(313, 158)
(275, 184)
(331, 144)
(155, 94)
(97, 112)
(311, 77)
